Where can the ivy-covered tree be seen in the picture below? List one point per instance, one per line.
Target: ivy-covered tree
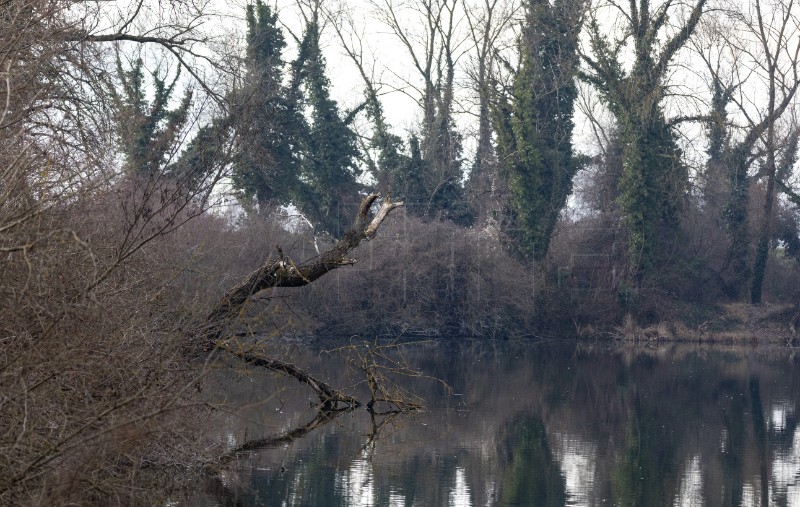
(719, 143)
(330, 151)
(440, 144)
(654, 178)
(535, 124)
(727, 185)
(202, 162)
(727, 188)
(148, 131)
(409, 180)
(296, 147)
(389, 146)
(268, 118)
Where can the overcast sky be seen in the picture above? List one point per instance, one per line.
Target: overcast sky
(389, 61)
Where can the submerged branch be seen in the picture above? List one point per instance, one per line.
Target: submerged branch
(328, 396)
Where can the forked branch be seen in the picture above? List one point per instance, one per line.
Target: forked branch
(284, 273)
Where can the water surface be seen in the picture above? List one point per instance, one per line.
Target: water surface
(534, 424)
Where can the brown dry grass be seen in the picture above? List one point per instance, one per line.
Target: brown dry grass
(734, 324)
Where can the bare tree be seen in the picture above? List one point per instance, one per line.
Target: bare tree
(430, 32)
(490, 22)
(388, 160)
(776, 30)
(90, 365)
(759, 54)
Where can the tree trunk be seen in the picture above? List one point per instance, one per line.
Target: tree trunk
(762, 251)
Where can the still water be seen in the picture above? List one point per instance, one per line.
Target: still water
(531, 423)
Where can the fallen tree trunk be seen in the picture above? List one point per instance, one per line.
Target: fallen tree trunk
(282, 272)
(329, 397)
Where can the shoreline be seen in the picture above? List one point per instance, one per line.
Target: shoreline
(733, 324)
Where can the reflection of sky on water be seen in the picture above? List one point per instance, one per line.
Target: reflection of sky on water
(785, 488)
(785, 470)
(578, 459)
(723, 440)
(356, 483)
(459, 495)
(691, 489)
(780, 412)
(751, 496)
(396, 500)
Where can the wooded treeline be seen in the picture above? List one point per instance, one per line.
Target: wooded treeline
(684, 165)
(570, 162)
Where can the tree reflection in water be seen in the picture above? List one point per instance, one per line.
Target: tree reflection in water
(547, 424)
(533, 476)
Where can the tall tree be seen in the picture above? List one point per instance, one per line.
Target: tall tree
(760, 43)
(383, 151)
(410, 177)
(488, 22)
(205, 159)
(268, 118)
(330, 152)
(654, 178)
(776, 28)
(535, 125)
(726, 190)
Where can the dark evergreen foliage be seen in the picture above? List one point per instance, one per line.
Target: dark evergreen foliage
(268, 118)
(535, 125)
(388, 169)
(409, 180)
(206, 152)
(441, 149)
(297, 148)
(148, 130)
(330, 152)
(654, 179)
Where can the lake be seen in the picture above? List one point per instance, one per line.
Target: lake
(523, 423)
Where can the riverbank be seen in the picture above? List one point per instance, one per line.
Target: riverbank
(731, 323)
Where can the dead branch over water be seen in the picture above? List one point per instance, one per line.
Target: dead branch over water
(283, 272)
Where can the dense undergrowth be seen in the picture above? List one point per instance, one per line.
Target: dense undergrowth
(98, 373)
